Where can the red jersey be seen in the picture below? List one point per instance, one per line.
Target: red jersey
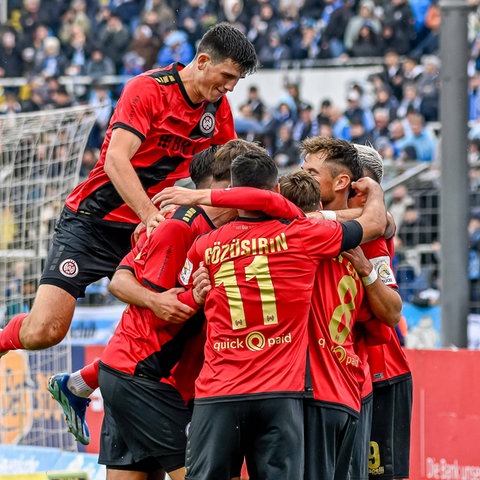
(388, 362)
(155, 107)
(142, 343)
(262, 274)
(336, 301)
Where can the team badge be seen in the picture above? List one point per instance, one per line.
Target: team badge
(69, 268)
(207, 123)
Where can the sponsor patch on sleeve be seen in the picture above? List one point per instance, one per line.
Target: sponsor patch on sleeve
(382, 266)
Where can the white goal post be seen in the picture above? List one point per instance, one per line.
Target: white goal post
(40, 159)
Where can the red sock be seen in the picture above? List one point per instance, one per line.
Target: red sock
(89, 373)
(9, 336)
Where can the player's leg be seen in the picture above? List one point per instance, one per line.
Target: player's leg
(214, 441)
(361, 446)
(274, 439)
(329, 437)
(144, 427)
(402, 425)
(71, 391)
(382, 434)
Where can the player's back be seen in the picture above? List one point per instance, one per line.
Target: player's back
(336, 302)
(262, 274)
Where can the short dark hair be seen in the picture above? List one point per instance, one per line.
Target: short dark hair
(224, 41)
(254, 169)
(201, 167)
(227, 153)
(339, 154)
(302, 189)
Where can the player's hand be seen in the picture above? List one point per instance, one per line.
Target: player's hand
(359, 261)
(153, 221)
(201, 285)
(167, 209)
(167, 306)
(137, 232)
(179, 196)
(367, 185)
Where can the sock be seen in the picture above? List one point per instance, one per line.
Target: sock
(9, 336)
(83, 382)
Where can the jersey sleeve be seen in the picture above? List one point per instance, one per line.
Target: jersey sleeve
(167, 250)
(248, 198)
(321, 238)
(378, 253)
(134, 108)
(192, 262)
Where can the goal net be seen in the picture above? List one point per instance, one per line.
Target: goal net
(40, 159)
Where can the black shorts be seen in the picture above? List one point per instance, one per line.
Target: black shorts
(268, 433)
(83, 251)
(390, 437)
(144, 424)
(361, 445)
(329, 437)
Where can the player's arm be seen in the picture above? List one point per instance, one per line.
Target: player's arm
(123, 146)
(385, 302)
(164, 305)
(246, 198)
(373, 219)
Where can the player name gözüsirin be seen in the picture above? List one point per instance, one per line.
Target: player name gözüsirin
(251, 246)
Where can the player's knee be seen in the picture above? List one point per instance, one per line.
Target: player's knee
(37, 333)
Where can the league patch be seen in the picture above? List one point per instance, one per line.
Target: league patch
(382, 266)
(207, 123)
(69, 268)
(186, 272)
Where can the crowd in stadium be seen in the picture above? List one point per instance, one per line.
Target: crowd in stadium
(45, 40)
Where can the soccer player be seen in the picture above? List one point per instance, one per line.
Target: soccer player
(384, 304)
(72, 391)
(161, 120)
(248, 396)
(388, 442)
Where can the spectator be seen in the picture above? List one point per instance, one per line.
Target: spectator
(420, 139)
(99, 65)
(286, 151)
(323, 116)
(77, 52)
(101, 99)
(386, 101)
(399, 15)
(10, 105)
(306, 125)
(234, 11)
(410, 102)
(368, 43)
(89, 159)
(61, 98)
(194, 17)
(340, 124)
(272, 54)
(411, 69)
(54, 62)
(429, 88)
(412, 229)
(133, 64)
(145, 44)
(176, 49)
(308, 45)
(354, 112)
(381, 131)
(474, 260)
(165, 16)
(116, 36)
(366, 13)
(257, 105)
(397, 137)
(11, 64)
(331, 44)
(261, 25)
(429, 44)
(358, 133)
(392, 72)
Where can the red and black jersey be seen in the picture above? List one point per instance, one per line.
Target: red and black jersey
(155, 107)
(388, 362)
(262, 273)
(142, 343)
(336, 302)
